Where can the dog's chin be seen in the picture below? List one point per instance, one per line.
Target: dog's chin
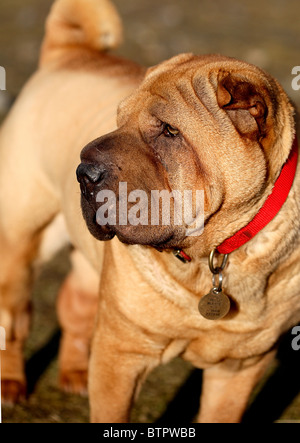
(136, 236)
(158, 237)
(101, 233)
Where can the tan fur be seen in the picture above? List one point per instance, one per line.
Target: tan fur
(148, 300)
(77, 307)
(87, 23)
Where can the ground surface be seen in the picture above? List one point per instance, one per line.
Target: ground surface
(266, 33)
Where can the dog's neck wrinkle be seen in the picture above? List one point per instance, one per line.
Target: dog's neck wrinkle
(268, 208)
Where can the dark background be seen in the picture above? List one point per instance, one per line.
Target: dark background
(266, 33)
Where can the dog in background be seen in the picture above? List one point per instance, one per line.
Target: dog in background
(207, 123)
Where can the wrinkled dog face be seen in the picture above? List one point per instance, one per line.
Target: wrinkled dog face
(211, 124)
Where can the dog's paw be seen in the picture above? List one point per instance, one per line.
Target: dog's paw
(12, 392)
(74, 382)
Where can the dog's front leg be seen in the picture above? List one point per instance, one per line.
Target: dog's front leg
(77, 307)
(119, 363)
(227, 387)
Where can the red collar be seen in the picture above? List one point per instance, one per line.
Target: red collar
(269, 210)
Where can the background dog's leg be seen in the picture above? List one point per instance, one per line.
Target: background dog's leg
(16, 278)
(77, 307)
(227, 387)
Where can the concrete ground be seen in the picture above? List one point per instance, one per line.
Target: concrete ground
(265, 33)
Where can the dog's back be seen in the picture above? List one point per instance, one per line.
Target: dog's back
(76, 73)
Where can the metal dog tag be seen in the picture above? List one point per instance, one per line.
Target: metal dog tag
(214, 305)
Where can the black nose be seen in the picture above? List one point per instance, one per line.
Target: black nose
(88, 176)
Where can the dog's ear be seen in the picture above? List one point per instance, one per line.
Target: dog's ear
(244, 103)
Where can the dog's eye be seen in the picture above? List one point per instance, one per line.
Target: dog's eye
(169, 131)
